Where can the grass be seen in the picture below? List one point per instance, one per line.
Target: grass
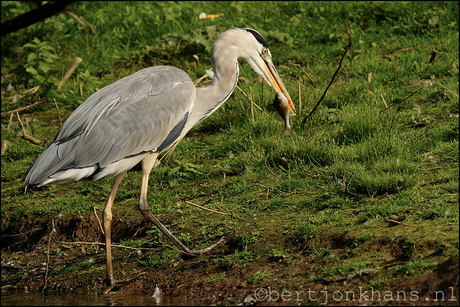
(365, 154)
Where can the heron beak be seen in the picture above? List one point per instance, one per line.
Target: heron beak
(275, 81)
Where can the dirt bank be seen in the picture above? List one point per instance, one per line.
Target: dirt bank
(266, 280)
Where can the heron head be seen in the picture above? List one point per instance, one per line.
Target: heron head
(249, 45)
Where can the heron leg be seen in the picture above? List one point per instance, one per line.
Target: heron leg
(107, 223)
(147, 165)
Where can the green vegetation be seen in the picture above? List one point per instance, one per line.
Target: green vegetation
(215, 278)
(375, 147)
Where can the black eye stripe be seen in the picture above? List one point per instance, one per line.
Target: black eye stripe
(258, 37)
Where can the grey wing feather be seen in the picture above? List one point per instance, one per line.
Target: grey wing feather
(130, 116)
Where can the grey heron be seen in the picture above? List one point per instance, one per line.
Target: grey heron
(141, 116)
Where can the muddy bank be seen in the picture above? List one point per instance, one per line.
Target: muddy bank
(266, 280)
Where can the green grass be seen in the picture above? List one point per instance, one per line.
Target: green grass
(355, 162)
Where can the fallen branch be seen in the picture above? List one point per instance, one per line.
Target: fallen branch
(79, 19)
(300, 100)
(69, 72)
(22, 233)
(445, 88)
(250, 100)
(23, 108)
(99, 221)
(397, 222)
(272, 172)
(210, 210)
(24, 135)
(4, 145)
(311, 79)
(116, 245)
(58, 112)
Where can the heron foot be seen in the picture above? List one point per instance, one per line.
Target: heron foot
(197, 252)
(119, 283)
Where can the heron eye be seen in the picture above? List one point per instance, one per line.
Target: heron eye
(264, 51)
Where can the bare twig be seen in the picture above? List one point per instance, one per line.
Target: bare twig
(369, 77)
(9, 123)
(375, 98)
(116, 245)
(445, 88)
(4, 146)
(252, 102)
(53, 230)
(210, 210)
(58, 112)
(400, 50)
(199, 79)
(24, 135)
(69, 72)
(384, 102)
(79, 19)
(311, 79)
(23, 233)
(397, 222)
(99, 221)
(19, 119)
(29, 138)
(347, 48)
(81, 89)
(300, 100)
(266, 166)
(23, 108)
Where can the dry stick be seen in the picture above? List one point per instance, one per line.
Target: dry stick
(394, 221)
(251, 100)
(69, 72)
(115, 245)
(81, 89)
(79, 19)
(300, 100)
(445, 88)
(4, 146)
(347, 48)
(23, 108)
(271, 171)
(199, 79)
(99, 221)
(210, 210)
(384, 102)
(24, 135)
(9, 123)
(59, 113)
(311, 79)
(375, 98)
(48, 254)
(23, 233)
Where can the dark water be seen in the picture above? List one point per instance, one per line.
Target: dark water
(32, 298)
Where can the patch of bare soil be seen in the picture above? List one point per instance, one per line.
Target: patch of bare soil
(203, 280)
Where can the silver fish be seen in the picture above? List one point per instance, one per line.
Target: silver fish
(285, 110)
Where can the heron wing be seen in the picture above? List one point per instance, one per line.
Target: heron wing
(136, 114)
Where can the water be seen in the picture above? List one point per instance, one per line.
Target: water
(35, 298)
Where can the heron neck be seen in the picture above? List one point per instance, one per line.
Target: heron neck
(210, 98)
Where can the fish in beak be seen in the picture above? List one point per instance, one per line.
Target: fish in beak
(274, 80)
(281, 105)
